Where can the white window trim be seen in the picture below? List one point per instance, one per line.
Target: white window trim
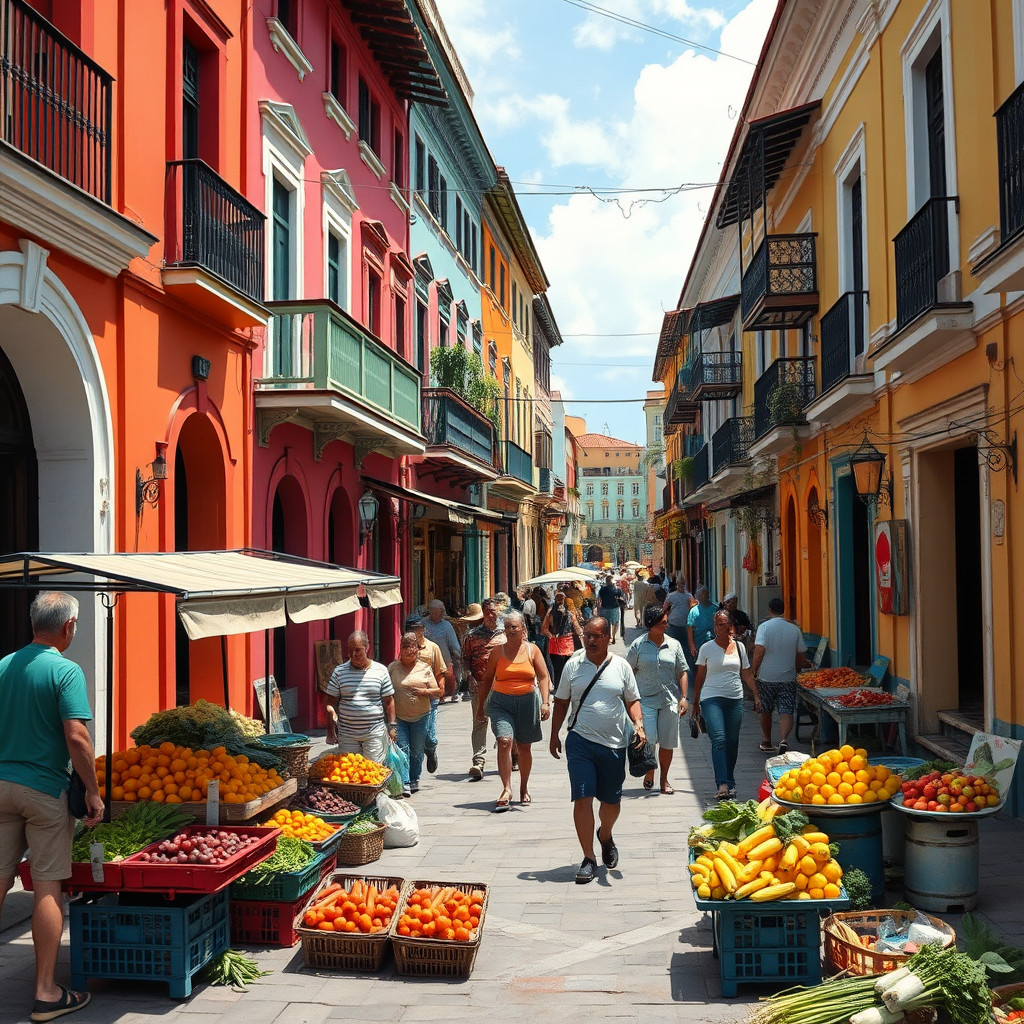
(398, 198)
(337, 113)
(852, 164)
(367, 155)
(281, 40)
(339, 203)
(281, 125)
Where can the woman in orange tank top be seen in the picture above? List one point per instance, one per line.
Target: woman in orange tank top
(514, 694)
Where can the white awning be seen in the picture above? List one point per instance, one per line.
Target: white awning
(572, 574)
(219, 593)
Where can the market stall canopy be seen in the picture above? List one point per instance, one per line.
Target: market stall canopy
(570, 575)
(219, 593)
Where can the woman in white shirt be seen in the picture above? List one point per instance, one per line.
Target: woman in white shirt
(722, 669)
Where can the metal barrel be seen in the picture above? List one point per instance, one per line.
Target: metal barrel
(941, 870)
(859, 837)
(894, 823)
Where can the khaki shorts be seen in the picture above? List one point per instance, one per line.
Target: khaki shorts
(36, 821)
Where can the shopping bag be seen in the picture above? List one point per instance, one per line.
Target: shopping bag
(396, 759)
(403, 827)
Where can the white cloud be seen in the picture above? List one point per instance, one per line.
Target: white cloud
(601, 32)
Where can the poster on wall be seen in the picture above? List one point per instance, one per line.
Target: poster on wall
(892, 579)
(328, 655)
(278, 721)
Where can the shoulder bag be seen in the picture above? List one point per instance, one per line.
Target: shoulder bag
(586, 693)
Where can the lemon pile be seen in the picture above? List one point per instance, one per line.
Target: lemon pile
(840, 776)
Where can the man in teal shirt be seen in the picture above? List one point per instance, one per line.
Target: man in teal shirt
(45, 708)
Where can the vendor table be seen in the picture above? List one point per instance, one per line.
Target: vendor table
(896, 713)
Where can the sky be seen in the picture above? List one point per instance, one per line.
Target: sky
(569, 97)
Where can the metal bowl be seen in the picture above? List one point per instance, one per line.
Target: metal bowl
(897, 802)
(833, 810)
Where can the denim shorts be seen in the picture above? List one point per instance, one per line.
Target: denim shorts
(594, 770)
(515, 716)
(611, 615)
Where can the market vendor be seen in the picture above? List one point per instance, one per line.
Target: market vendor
(360, 696)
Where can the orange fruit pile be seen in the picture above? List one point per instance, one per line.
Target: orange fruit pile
(353, 769)
(841, 776)
(302, 826)
(362, 908)
(442, 913)
(174, 775)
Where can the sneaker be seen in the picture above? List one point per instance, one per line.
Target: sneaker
(467, 696)
(476, 773)
(414, 787)
(431, 761)
(609, 851)
(406, 791)
(585, 872)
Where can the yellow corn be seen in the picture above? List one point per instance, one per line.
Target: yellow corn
(751, 887)
(735, 866)
(765, 849)
(788, 860)
(755, 839)
(749, 871)
(726, 875)
(802, 844)
(812, 835)
(773, 892)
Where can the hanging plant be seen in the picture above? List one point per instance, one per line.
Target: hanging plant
(682, 469)
(784, 404)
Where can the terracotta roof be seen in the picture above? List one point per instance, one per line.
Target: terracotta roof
(604, 441)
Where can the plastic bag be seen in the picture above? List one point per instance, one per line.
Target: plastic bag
(403, 827)
(396, 759)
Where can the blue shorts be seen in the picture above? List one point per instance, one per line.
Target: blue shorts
(611, 615)
(594, 770)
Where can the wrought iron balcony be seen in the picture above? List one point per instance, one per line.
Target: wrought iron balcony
(518, 462)
(450, 421)
(780, 286)
(730, 442)
(316, 351)
(55, 101)
(1010, 136)
(782, 393)
(922, 258)
(212, 227)
(842, 338)
(716, 375)
(692, 444)
(544, 479)
(681, 407)
(701, 468)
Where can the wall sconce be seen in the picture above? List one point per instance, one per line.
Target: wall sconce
(368, 508)
(867, 464)
(148, 491)
(818, 513)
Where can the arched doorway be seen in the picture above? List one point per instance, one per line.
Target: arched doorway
(789, 582)
(341, 550)
(815, 601)
(19, 501)
(292, 652)
(199, 525)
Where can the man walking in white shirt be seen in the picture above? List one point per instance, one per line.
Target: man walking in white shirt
(779, 653)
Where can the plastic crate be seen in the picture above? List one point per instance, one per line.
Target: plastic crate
(282, 886)
(81, 879)
(148, 939)
(769, 927)
(766, 966)
(150, 876)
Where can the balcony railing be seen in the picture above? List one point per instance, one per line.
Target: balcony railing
(730, 442)
(517, 462)
(693, 444)
(450, 420)
(922, 258)
(544, 479)
(779, 288)
(681, 408)
(842, 338)
(317, 346)
(666, 496)
(716, 375)
(1010, 136)
(781, 394)
(701, 468)
(209, 225)
(55, 102)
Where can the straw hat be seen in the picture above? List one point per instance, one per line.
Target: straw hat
(474, 613)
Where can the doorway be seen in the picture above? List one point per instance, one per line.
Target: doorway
(967, 560)
(854, 575)
(790, 582)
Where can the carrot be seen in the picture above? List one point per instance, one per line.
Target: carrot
(371, 900)
(329, 902)
(439, 899)
(332, 888)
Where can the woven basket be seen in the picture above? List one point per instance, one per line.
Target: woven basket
(845, 956)
(361, 796)
(297, 759)
(361, 848)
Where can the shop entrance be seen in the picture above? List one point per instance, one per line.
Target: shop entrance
(967, 555)
(854, 575)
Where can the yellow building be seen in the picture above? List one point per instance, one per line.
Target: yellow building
(856, 297)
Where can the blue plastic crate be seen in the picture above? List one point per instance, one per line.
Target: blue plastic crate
(148, 939)
(778, 926)
(280, 886)
(767, 966)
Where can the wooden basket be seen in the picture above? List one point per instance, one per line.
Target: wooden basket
(845, 956)
(436, 958)
(296, 757)
(349, 951)
(362, 847)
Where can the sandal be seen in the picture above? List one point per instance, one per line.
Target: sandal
(504, 800)
(69, 1002)
(767, 748)
(783, 747)
(723, 792)
(648, 783)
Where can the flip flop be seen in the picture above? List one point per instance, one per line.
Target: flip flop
(648, 783)
(767, 748)
(783, 747)
(503, 801)
(69, 1002)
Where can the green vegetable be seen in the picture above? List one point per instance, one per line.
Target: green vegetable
(978, 940)
(360, 826)
(141, 824)
(789, 824)
(858, 888)
(1016, 1003)
(291, 856)
(731, 820)
(235, 969)
(939, 765)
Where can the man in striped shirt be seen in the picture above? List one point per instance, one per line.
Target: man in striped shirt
(361, 697)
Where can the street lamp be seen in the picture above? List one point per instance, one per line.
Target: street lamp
(368, 508)
(148, 491)
(867, 464)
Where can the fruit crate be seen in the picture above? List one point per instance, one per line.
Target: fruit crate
(330, 844)
(282, 886)
(271, 922)
(81, 879)
(358, 848)
(347, 951)
(149, 876)
(362, 796)
(148, 938)
(436, 958)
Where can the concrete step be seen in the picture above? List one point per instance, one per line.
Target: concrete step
(962, 720)
(950, 748)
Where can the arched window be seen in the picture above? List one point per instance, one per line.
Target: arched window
(590, 510)
(636, 509)
(620, 510)
(604, 509)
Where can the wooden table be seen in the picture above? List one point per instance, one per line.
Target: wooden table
(876, 714)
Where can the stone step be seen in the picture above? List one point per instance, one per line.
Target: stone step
(961, 720)
(950, 748)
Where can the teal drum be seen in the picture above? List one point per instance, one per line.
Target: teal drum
(894, 824)
(857, 829)
(941, 870)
